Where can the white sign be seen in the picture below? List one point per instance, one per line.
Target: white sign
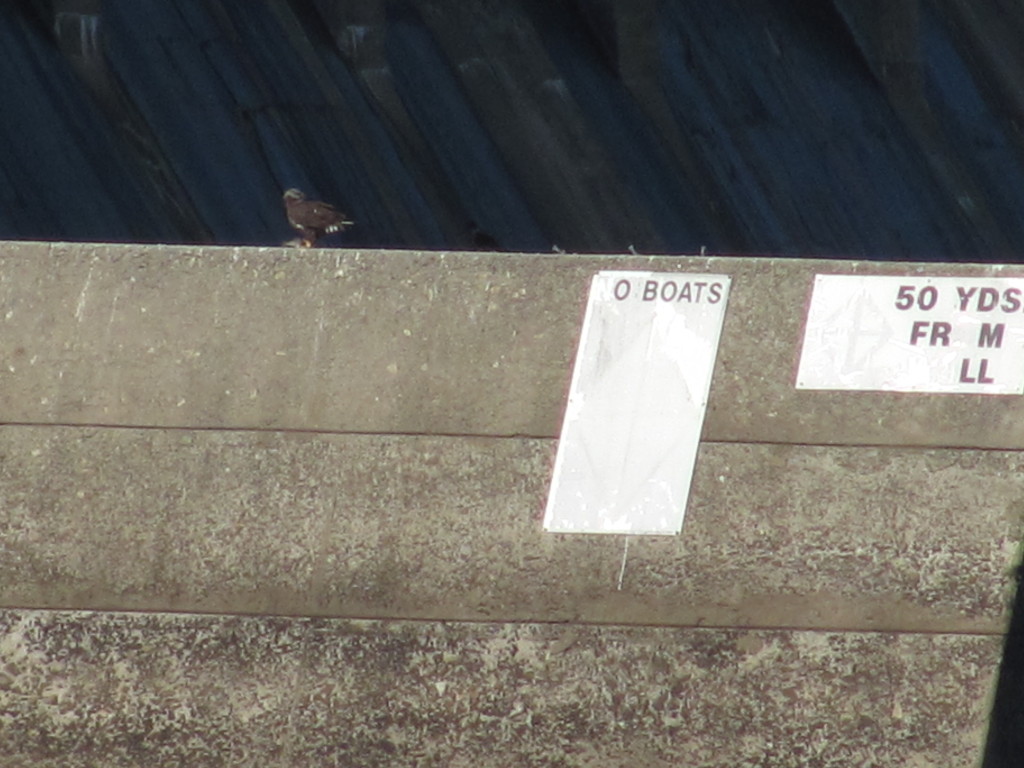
(915, 334)
(636, 403)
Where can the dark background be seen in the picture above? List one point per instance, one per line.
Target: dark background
(880, 129)
(853, 128)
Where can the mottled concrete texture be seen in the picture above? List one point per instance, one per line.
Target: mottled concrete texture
(363, 441)
(79, 690)
(393, 342)
(449, 528)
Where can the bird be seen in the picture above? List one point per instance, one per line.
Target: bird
(312, 219)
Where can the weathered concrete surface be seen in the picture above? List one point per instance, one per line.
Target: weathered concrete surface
(181, 436)
(81, 689)
(402, 342)
(449, 528)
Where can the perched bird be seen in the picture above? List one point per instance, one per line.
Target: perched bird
(312, 219)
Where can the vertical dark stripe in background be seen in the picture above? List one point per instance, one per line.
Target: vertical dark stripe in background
(1005, 745)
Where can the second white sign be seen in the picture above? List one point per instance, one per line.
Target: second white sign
(914, 334)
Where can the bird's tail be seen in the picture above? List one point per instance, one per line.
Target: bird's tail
(340, 226)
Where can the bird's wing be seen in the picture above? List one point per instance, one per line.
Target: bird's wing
(316, 215)
(324, 214)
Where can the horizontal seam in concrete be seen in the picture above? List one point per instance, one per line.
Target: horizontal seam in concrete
(545, 622)
(268, 430)
(479, 435)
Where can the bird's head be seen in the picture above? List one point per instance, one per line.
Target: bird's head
(294, 195)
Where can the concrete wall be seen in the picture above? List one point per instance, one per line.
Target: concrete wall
(278, 507)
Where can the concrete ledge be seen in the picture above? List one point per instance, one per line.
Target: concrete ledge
(81, 689)
(365, 440)
(449, 528)
(417, 343)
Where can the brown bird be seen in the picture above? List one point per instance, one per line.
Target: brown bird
(312, 219)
